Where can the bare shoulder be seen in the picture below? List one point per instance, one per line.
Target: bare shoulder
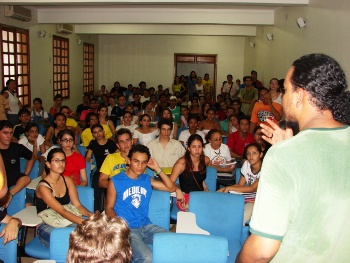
(69, 182)
(180, 162)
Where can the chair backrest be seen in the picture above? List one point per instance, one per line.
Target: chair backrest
(59, 243)
(86, 197)
(34, 172)
(88, 173)
(238, 174)
(159, 209)
(174, 248)
(211, 178)
(8, 252)
(179, 130)
(219, 213)
(17, 203)
(81, 149)
(150, 172)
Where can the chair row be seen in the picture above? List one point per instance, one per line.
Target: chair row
(218, 213)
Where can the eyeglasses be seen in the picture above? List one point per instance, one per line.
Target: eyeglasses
(67, 140)
(25, 115)
(57, 161)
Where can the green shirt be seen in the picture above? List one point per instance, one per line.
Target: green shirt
(247, 95)
(176, 114)
(303, 197)
(224, 125)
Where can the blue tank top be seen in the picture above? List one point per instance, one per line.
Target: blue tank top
(133, 197)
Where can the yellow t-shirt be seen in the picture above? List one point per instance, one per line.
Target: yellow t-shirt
(86, 135)
(207, 84)
(113, 164)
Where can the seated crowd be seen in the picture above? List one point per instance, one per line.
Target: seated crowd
(177, 133)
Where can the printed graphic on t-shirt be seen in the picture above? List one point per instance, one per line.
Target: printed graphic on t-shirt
(218, 160)
(121, 167)
(263, 115)
(136, 193)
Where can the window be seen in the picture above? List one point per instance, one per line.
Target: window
(89, 68)
(61, 66)
(15, 60)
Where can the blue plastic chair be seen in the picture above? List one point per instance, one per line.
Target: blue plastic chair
(211, 178)
(34, 173)
(159, 209)
(238, 174)
(8, 252)
(81, 149)
(18, 202)
(222, 215)
(88, 173)
(211, 184)
(190, 248)
(86, 197)
(179, 130)
(59, 243)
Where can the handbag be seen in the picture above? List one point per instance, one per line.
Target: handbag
(186, 199)
(54, 219)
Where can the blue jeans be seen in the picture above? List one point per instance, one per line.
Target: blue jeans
(140, 238)
(43, 232)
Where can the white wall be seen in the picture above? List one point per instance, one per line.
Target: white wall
(132, 58)
(326, 32)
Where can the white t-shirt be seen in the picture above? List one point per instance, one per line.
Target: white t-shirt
(145, 138)
(219, 156)
(24, 142)
(184, 135)
(41, 114)
(250, 178)
(132, 127)
(230, 88)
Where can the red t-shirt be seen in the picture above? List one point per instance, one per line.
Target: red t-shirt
(74, 163)
(221, 115)
(54, 111)
(235, 142)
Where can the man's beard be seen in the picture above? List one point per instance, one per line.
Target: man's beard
(293, 125)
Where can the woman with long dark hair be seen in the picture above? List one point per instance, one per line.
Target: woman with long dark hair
(191, 170)
(54, 192)
(145, 133)
(59, 124)
(102, 111)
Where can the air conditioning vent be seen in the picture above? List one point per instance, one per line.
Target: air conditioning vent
(18, 12)
(65, 28)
